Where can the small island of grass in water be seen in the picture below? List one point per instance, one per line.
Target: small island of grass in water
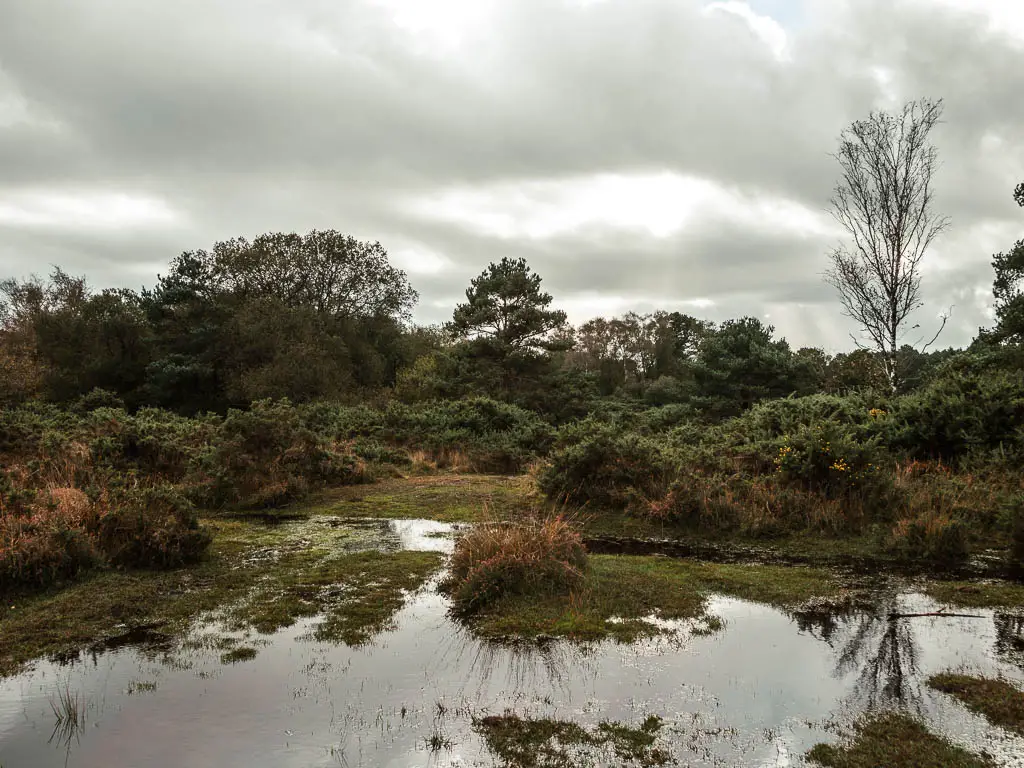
(547, 743)
(892, 740)
(536, 579)
(999, 701)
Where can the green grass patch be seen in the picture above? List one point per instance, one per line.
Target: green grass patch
(1000, 702)
(619, 592)
(976, 594)
(895, 740)
(547, 743)
(446, 498)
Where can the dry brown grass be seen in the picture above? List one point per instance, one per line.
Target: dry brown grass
(543, 555)
(442, 459)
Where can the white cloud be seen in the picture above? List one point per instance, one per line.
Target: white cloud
(657, 205)
(1006, 16)
(83, 210)
(765, 27)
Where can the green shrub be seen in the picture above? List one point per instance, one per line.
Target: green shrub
(97, 398)
(827, 459)
(492, 561)
(494, 436)
(597, 464)
(961, 414)
(266, 456)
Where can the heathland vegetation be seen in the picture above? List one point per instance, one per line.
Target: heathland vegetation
(221, 389)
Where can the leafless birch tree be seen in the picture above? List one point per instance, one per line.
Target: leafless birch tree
(884, 202)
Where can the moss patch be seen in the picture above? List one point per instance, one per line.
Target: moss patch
(290, 566)
(976, 594)
(547, 743)
(446, 498)
(895, 740)
(620, 592)
(999, 701)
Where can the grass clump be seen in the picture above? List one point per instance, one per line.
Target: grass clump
(239, 655)
(1000, 702)
(548, 743)
(534, 558)
(895, 740)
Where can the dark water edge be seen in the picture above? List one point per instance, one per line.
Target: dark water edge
(720, 552)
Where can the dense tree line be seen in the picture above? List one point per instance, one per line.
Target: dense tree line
(326, 317)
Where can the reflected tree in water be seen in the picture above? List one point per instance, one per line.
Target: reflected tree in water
(882, 651)
(1010, 637)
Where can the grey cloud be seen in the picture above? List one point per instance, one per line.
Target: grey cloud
(291, 115)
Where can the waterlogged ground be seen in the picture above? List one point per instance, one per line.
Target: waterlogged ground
(394, 681)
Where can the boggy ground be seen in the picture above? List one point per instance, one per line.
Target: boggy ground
(485, 498)
(461, 498)
(256, 577)
(262, 574)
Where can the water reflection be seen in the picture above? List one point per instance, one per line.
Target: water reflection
(1010, 637)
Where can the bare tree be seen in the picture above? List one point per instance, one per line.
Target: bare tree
(884, 201)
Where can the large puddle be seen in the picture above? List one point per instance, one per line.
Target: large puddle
(760, 692)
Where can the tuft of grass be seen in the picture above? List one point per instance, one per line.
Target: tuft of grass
(532, 558)
(1000, 702)
(619, 593)
(895, 740)
(238, 655)
(438, 741)
(548, 743)
(140, 686)
(69, 714)
(559, 743)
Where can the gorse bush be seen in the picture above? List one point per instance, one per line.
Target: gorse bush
(536, 557)
(961, 415)
(267, 456)
(492, 435)
(825, 458)
(595, 463)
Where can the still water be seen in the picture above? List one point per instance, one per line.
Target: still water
(760, 692)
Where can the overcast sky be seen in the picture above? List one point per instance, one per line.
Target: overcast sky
(640, 154)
